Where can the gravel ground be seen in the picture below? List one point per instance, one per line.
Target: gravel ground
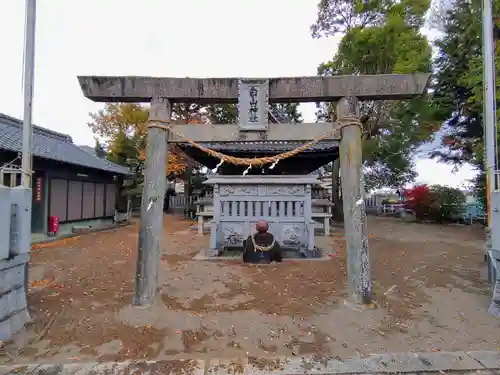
(428, 281)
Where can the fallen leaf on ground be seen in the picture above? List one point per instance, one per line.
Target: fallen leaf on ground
(41, 282)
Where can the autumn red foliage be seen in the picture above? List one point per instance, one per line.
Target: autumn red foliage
(421, 200)
(448, 141)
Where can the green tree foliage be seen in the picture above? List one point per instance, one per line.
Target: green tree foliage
(449, 203)
(459, 45)
(341, 16)
(228, 113)
(123, 150)
(290, 110)
(99, 149)
(122, 128)
(458, 85)
(381, 36)
(222, 114)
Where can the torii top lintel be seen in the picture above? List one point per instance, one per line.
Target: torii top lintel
(281, 90)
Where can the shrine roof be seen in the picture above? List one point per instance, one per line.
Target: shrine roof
(48, 144)
(266, 146)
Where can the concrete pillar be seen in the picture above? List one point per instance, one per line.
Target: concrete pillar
(153, 195)
(351, 164)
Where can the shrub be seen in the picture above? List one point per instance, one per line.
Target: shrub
(450, 203)
(479, 188)
(436, 203)
(421, 200)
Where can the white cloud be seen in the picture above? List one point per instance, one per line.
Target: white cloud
(197, 38)
(431, 172)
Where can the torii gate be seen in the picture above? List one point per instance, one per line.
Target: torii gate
(253, 96)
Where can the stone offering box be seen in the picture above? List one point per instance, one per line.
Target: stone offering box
(241, 201)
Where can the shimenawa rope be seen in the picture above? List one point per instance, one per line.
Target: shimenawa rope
(344, 122)
(262, 248)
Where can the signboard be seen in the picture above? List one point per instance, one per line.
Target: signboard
(253, 104)
(38, 189)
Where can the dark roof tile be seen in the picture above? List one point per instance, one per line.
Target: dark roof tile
(52, 145)
(266, 146)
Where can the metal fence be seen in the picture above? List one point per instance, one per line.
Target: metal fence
(471, 212)
(468, 213)
(374, 204)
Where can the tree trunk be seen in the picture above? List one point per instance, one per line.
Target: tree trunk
(337, 209)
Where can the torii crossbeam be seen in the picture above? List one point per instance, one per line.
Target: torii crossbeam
(225, 90)
(346, 91)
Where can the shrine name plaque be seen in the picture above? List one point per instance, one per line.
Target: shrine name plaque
(253, 104)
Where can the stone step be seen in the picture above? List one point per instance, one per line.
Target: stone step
(467, 363)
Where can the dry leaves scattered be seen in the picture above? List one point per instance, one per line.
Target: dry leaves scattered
(55, 243)
(91, 277)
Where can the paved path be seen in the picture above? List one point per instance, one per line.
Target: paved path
(473, 362)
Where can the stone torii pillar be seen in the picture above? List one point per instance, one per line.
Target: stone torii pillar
(346, 89)
(153, 195)
(356, 236)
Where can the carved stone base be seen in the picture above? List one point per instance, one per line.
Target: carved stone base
(214, 252)
(315, 253)
(288, 253)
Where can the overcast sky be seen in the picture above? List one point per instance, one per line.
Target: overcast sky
(196, 38)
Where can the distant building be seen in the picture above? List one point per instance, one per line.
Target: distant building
(68, 182)
(179, 186)
(88, 149)
(470, 197)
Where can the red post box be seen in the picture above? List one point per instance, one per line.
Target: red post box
(53, 225)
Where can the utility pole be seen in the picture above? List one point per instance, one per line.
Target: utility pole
(489, 99)
(28, 78)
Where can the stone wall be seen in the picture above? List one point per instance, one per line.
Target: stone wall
(15, 243)
(13, 306)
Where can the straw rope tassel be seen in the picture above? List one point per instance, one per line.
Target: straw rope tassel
(345, 121)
